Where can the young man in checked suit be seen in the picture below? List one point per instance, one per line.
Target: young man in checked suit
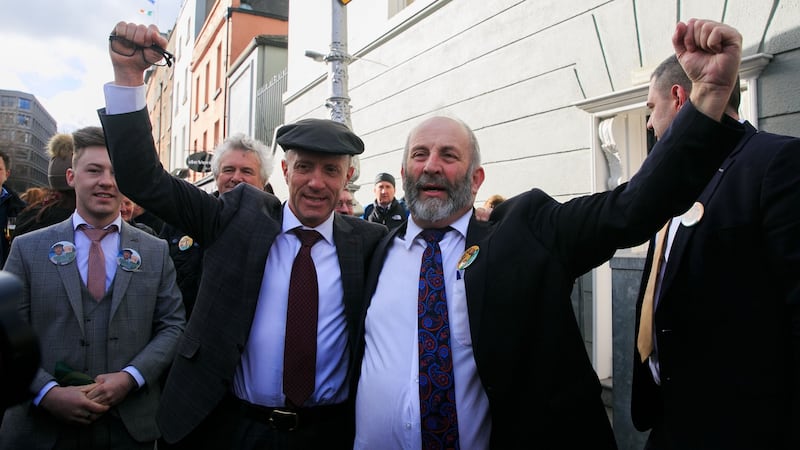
(104, 350)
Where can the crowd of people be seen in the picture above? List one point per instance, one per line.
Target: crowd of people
(236, 321)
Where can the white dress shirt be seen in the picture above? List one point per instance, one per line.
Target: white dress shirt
(655, 366)
(387, 401)
(259, 376)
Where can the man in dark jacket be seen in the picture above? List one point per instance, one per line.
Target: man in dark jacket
(386, 209)
(10, 205)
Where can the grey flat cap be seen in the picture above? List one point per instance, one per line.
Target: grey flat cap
(320, 135)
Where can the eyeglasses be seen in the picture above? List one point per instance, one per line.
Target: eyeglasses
(341, 203)
(154, 54)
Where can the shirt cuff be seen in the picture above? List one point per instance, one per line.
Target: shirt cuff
(43, 392)
(124, 99)
(136, 376)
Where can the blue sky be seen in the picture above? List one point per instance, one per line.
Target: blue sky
(58, 51)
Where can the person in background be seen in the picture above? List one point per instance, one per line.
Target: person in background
(143, 217)
(386, 209)
(238, 159)
(59, 200)
(470, 340)
(127, 208)
(33, 195)
(107, 333)
(717, 360)
(485, 211)
(345, 203)
(10, 206)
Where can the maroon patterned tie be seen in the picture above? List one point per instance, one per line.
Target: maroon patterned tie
(96, 276)
(300, 351)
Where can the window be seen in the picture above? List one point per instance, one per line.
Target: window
(216, 133)
(197, 96)
(208, 75)
(177, 104)
(24, 103)
(7, 102)
(185, 85)
(24, 120)
(219, 66)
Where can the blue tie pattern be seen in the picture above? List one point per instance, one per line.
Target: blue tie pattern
(437, 395)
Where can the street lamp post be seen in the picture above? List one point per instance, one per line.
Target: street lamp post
(338, 59)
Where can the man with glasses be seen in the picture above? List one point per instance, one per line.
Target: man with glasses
(346, 203)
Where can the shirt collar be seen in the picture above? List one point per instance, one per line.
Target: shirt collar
(290, 222)
(413, 230)
(77, 220)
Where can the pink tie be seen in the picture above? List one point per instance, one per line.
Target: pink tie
(96, 278)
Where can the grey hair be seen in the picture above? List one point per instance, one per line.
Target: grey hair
(240, 141)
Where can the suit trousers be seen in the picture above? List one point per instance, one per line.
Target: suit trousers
(230, 427)
(107, 432)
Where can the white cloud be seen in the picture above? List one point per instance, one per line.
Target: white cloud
(58, 51)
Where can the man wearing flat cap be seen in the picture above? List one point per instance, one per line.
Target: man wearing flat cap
(265, 361)
(386, 209)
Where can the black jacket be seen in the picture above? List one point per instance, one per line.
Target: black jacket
(10, 206)
(392, 217)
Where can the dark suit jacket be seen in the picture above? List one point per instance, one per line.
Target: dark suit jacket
(237, 231)
(728, 318)
(542, 389)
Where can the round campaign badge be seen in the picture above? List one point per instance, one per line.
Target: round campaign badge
(185, 243)
(62, 253)
(469, 255)
(129, 259)
(693, 215)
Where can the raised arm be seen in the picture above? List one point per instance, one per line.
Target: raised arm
(129, 70)
(710, 53)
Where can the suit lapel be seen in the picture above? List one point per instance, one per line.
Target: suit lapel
(475, 275)
(348, 252)
(122, 278)
(683, 237)
(69, 274)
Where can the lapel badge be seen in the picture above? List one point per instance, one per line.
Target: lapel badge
(62, 253)
(469, 255)
(185, 243)
(691, 217)
(129, 260)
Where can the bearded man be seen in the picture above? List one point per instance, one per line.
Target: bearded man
(479, 347)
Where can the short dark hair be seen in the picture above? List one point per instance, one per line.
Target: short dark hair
(6, 159)
(670, 72)
(87, 137)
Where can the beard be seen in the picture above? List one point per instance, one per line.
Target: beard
(459, 197)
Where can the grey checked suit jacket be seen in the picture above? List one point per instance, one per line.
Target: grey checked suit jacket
(236, 230)
(146, 319)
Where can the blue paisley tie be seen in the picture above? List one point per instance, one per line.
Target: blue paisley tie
(437, 394)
